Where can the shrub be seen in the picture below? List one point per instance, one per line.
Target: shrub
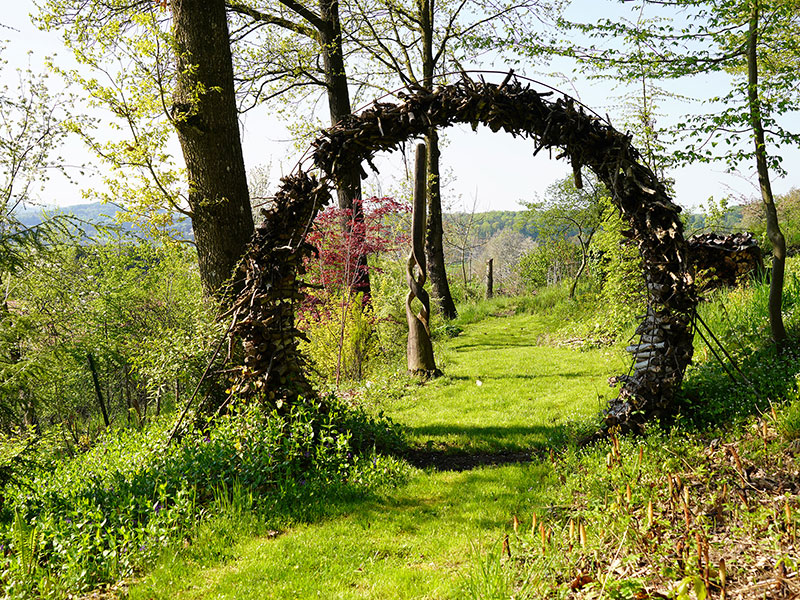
(336, 316)
(789, 419)
(618, 268)
(342, 338)
(548, 264)
(739, 319)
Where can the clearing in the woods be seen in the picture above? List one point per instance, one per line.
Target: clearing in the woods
(507, 390)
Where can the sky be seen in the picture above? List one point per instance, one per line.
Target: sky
(481, 170)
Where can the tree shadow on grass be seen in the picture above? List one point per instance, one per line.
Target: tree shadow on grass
(497, 343)
(504, 377)
(493, 445)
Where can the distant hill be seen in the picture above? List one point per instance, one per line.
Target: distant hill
(94, 213)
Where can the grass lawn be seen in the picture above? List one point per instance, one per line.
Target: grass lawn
(415, 542)
(420, 540)
(502, 391)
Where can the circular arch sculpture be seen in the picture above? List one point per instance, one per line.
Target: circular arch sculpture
(273, 366)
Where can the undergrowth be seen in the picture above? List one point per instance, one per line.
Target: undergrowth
(659, 516)
(737, 370)
(704, 506)
(70, 525)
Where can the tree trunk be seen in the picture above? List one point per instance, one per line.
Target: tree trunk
(434, 248)
(330, 41)
(348, 190)
(206, 119)
(584, 262)
(98, 393)
(575, 279)
(773, 228)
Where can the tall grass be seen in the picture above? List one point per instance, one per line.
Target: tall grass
(719, 388)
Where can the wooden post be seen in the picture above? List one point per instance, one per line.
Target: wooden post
(489, 278)
(97, 390)
(419, 350)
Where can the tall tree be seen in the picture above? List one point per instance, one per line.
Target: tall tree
(312, 35)
(32, 130)
(160, 72)
(762, 167)
(747, 45)
(417, 41)
(309, 37)
(205, 117)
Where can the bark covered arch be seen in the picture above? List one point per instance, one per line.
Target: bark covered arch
(664, 350)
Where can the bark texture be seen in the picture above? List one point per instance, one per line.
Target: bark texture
(205, 116)
(348, 190)
(434, 245)
(338, 94)
(419, 350)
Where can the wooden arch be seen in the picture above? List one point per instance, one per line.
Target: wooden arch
(273, 366)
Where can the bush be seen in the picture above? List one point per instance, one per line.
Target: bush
(342, 338)
(739, 319)
(618, 269)
(548, 264)
(789, 419)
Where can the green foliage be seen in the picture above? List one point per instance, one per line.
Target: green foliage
(704, 38)
(136, 308)
(342, 337)
(789, 418)
(788, 208)
(718, 216)
(548, 264)
(486, 224)
(140, 173)
(488, 579)
(568, 212)
(739, 318)
(389, 289)
(107, 512)
(618, 268)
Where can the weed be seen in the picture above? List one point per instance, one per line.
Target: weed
(487, 579)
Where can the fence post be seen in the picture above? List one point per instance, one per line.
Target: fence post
(489, 278)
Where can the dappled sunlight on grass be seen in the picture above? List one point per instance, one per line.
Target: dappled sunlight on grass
(501, 393)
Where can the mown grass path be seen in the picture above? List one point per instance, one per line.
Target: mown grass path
(420, 540)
